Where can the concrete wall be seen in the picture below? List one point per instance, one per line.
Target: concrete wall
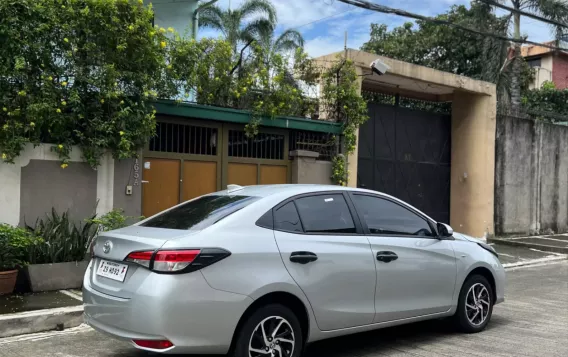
(473, 158)
(307, 169)
(45, 185)
(36, 183)
(542, 73)
(128, 173)
(531, 189)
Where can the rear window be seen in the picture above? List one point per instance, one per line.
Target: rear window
(200, 213)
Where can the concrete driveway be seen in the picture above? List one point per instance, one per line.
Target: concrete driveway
(533, 321)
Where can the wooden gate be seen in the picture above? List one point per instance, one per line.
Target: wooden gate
(187, 159)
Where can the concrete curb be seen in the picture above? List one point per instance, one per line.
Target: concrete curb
(40, 321)
(517, 243)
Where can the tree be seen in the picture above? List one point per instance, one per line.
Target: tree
(556, 10)
(78, 72)
(234, 25)
(449, 49)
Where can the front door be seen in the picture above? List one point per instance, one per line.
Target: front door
(416, 271)
(323, 252)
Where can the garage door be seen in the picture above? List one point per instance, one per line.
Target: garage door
(406, 153)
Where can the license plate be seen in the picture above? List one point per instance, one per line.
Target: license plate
(112, 270)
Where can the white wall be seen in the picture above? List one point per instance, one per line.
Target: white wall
(174, 13)
(10, 180)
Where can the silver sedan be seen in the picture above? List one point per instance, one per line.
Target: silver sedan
(264, 270)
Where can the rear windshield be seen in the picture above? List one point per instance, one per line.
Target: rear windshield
(200, 213)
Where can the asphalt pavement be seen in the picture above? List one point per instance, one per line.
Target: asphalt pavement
(533, 321)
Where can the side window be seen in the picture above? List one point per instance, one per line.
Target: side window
(325, 214)
(386, 217)
(286, 218)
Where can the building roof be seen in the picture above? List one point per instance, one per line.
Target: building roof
(533, 50)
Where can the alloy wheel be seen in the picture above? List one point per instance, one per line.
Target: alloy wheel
(273, 336)
(477, 304)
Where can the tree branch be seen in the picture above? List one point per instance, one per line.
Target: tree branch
(241, 57)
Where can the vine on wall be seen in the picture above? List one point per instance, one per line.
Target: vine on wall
(342, 102)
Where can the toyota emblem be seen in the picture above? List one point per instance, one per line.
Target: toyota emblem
(107, 247)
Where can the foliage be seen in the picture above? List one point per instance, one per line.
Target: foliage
(112, 220)
(341, 101)
(261, 16)
(547, 99)
(339, 172)
(62, 239)
(449, 49)
(79, 72)
(219, 78)
(14, 244)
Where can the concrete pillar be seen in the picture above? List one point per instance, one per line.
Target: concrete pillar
(473, 163)
(306, 169)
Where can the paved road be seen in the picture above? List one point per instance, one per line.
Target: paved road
(533, 321)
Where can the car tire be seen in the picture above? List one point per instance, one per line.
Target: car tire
(475, 305)
(278, 320)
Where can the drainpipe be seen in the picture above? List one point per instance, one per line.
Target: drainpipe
(196, 17)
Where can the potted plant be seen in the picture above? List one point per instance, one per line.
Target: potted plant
(14, 243)
(58, 262)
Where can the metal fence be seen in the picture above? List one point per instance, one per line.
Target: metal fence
(326, 145)
(184, 139)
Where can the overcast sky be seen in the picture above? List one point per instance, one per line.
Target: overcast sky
(323, 22)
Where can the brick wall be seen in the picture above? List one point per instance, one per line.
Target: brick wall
(560, 71)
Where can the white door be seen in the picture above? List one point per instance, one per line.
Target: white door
(416, 271)
(330, 259)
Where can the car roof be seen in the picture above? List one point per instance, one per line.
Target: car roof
(285, 189)
(289, 190)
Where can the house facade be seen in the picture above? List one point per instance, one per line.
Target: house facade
(548, 65)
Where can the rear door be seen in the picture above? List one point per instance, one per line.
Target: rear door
(416, 271)
(323, 249)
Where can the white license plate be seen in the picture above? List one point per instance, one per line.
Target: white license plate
(112, 270)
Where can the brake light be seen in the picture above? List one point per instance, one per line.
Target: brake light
(174, 260)
(92, 248)
(154, 344)
(142, 258)
(177, 261)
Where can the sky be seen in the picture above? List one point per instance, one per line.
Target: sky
(323, 23)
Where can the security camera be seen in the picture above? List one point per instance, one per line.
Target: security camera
(379, 67)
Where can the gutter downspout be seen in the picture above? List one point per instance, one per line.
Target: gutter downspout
(195, 25)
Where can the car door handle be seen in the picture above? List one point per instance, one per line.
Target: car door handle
(386, 257)
(303, 257)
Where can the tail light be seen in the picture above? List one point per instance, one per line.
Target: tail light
(177, 261)
(154, 344)
(92, 248)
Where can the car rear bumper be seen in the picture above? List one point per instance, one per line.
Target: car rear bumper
(183, 309)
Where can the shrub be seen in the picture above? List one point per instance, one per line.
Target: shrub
(62, 239)
(14, 245)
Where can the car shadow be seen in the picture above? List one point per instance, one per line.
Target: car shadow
(372, 342)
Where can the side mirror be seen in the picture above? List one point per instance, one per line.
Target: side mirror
(445, 230)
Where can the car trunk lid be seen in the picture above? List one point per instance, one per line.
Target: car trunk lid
(114, 246)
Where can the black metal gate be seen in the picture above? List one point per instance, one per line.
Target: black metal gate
(406, 153)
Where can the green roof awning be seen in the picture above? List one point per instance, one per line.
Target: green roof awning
(200, 111)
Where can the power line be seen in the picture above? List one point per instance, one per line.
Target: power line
(324, 18)
(388, 10)
(524, 13)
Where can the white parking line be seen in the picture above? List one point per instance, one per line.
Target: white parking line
(549, 259)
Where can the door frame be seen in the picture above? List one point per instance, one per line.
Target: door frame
(147, 154)
(285, 162)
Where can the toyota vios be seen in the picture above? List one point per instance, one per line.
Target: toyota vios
(264, 270)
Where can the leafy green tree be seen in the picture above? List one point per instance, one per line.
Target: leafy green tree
(79, 72)
(449, 49)
(556, 10)
(241, 25)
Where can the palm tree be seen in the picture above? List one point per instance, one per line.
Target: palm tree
(233, 24)
(289, 40)
(556, 10)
